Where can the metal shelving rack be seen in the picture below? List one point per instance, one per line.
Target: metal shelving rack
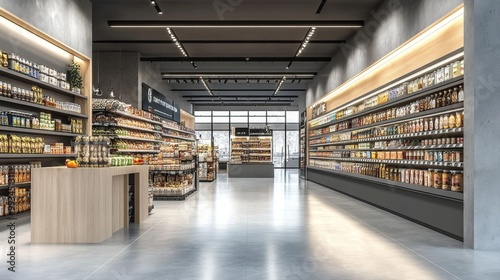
(332, 142)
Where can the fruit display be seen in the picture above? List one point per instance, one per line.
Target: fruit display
(72, 164)
(93, 151)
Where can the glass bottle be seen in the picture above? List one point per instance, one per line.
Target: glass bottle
(439, 100)
(461, 94)
(447, 102)
(454, 96)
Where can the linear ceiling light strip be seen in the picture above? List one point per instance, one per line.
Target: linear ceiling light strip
(179, 45)
(304, 44)
(206, 86)
(235, 24)
(279, 85)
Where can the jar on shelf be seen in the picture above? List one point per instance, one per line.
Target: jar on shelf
(459, 119)
(446, 177)
(454, 96)
(457, 181)
(438, 178)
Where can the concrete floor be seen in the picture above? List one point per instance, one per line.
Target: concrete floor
(282, 228)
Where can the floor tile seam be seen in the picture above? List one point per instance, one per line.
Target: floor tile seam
(139, 237)
(382, 233)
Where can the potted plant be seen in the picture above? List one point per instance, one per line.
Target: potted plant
(74, 78)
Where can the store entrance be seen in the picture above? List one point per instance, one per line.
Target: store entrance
(286, 149)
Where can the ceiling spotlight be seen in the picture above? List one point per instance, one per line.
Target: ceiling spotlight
(267, 81)
(168, 81)
(258, 81)
(235, 81)
(153, 2)
(192, 81)
(185, 81)
(299, 81)
(177, 80)
(225, 81)
(209, 81)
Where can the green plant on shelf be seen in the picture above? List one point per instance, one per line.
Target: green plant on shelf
(74, 77)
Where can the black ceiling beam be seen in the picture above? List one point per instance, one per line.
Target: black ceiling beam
(240, 96)
(237, 104)
(246, 90)
(203, 42)
(229, 75)
(235, 23)
(236, 59)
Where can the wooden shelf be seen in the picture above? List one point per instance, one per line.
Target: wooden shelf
(27, 156)
(27, 79)
(457, 196)
(37, 131)
(42, 107)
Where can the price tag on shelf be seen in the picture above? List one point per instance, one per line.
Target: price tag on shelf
(441, 164)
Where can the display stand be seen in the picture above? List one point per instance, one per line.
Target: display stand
(251, 153)
(303, 146)
(208, 160)
(85, 205)
(399, 147)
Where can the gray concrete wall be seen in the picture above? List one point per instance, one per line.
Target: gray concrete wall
(150, 75)
(68, 21)
(392, 24)
(482, 128)
(117, 70)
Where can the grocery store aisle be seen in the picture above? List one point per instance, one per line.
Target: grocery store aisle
(284, 228)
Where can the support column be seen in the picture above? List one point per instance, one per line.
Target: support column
(482, 124)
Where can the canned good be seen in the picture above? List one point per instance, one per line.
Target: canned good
(457, 181)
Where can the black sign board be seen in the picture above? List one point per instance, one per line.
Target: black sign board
(260, 132)
(158, 104)
(241, 131)
(318, 109)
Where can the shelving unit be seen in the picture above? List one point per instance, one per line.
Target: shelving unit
(384, 150)
(303, 147)
(251, 153)
(175, 176)
(42, 49)
(208, 161)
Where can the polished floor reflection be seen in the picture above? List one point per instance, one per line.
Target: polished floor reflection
(282, 228)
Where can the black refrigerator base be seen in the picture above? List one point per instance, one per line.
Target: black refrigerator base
(442, 214)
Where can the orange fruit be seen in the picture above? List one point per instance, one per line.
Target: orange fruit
(72, 164)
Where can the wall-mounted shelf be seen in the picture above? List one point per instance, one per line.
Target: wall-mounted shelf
(35, 156)
(42, 107)
(27, 79)
(37, 131)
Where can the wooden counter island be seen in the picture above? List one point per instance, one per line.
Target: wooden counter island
(84, 205)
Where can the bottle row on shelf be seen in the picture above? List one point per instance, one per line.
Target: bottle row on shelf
(438, 76)
(34, 70)
(430, 143)
(451, 180)
(426, 124)
(436, 156)
(439, 100)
